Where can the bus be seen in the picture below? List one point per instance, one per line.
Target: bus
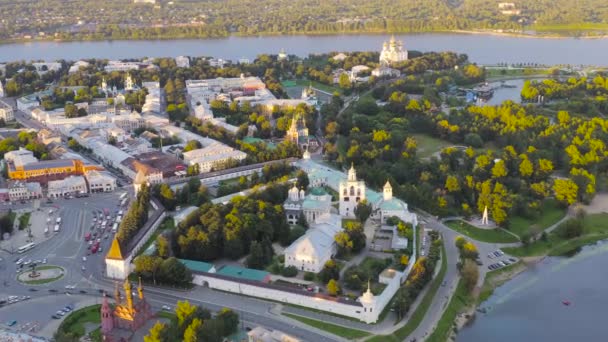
(124, 202)
(120, 213)
(58, 221)
(26, 248)
(56, 228)
(114, 227)
(123, 196)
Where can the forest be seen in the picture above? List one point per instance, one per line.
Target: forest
(115, 19)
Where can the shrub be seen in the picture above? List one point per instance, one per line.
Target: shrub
(309, 276)
(290, 271)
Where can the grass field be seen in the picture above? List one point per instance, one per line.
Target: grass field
(594, 229)
(578, 27)
(551, 213)
(315, 84)
(428, 145)
(485, 235)
(415, 319)
(75, 322)
(458, 303)
(42, 281)
(331, 328)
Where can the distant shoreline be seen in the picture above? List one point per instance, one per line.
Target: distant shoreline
(312, 34)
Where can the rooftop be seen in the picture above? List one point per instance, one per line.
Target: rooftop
(47, 164)
(197, 266)
(243, 273)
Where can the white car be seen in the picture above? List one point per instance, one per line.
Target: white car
(44, 261)
(166, 308)
(20, 261)
(84, 258)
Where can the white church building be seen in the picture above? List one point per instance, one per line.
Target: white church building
(352, 191)
(392, 52)
(312, 250)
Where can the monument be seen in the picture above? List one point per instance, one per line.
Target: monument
(484, 218)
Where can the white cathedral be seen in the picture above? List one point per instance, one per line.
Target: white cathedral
(311, 251)
(392, 52)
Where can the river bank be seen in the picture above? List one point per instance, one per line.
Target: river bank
(498, 33)
(521, 308)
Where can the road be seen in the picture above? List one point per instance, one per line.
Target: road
(66, 250)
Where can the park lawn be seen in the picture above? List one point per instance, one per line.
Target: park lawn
(24, 220)
(551, 213)
(320, 86)
(338, 330)
(496, 235)
(428, 145)
(418, 315)
(75, 322)
(572, 27)
(504, 72)
(459, 302)
(594, 229)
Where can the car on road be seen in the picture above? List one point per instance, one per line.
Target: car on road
(512, 260)
(29, 261)
(55, 316)
(479, 262)
(84, 258)
(37, 262)
(166, 308)
(490, 255)
(59, 313)
(20, 261)
(11, 323)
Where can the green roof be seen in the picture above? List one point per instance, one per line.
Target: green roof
(317, 191)
(243, 273)
(252, 140)
(197, 266)
(393, 204)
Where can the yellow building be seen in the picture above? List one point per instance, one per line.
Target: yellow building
(49, 169)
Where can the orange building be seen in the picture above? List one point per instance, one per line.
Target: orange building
(49, 169)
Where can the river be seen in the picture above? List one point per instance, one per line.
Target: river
(481, 48)
(529, 307)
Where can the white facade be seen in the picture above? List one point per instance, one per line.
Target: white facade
(312, 250)
(23, 191)
(68, 186)
(367, 309)
(76, 66)
(100, 181)
(44, 67)
(1, 89)
(20, 157)
(182, 61)
(384, 71)
(217, 161)
(392, 52)
(121, 66)
(6, 111)
(352, 191)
